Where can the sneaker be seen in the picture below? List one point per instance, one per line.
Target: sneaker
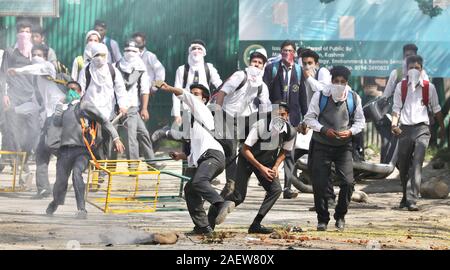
(289, 194)
(322, 227)
(340, 224)
(51, 208)
(227, 207)
(201, 231)
(258, 228)
(160, 134)
(42, 195)
(81, 214)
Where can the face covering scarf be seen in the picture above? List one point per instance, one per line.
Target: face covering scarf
(414, 77)
(255, 76)
(277, 125)
(339, 92)
(24, 44)
(196, 57)
(99, 68)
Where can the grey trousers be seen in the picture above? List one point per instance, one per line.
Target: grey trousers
(70, 160)
(289, 163)
(245, 170)
(210, 165)
(413, 143)
(43, 154)
(138, 136)
(341, 156)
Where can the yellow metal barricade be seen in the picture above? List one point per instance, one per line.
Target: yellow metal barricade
(11, 164)
(133, 186)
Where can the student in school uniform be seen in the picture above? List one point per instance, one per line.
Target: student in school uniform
(335, 114)
(414, 99)
(206, 156)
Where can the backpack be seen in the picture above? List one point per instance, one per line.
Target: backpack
(131, 78)
(351, 104)
(80, 63)
(208, 76)
(425, 96)
(275, 70)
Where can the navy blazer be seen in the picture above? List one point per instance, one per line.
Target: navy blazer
(297, 92)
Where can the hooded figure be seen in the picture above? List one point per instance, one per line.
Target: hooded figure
(81, 61)
(195, 71)
(102, 89)
(132, 60)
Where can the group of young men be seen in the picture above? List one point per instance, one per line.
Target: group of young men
(247, 124)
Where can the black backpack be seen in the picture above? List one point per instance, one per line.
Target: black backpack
(211, 87)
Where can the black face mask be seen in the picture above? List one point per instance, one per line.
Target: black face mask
(140, 46)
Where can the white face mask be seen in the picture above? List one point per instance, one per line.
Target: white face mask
(338, 92)
(99, 61)
(277, 124)
(37, 60)
(255, 76)
(197, 55)
(414, 76)
(129, 56)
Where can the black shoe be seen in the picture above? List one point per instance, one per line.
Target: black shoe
(160, 134)
(289, 194)
(413, 207)
(258, 228)
(51, 209)
(42, 195)
(227, 207)
(212, 214)
(201, 231)
(322, 227)
(81, 214)
(402, 204)
(340, 224)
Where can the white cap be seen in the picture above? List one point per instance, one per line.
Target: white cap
(260, 51)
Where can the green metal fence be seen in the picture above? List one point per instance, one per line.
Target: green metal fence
(169, 24)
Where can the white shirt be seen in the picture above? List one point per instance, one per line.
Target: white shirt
(253, 136)
(215, 80)
(240, 102)
(312, 117)
(313, 85)
(115, 50)
(155, 70)
(414, 112)
(201, 139)
(103, 96)
(49, 90)
(133, 92)
(392, 83)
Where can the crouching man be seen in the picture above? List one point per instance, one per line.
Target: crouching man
(262, 153)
